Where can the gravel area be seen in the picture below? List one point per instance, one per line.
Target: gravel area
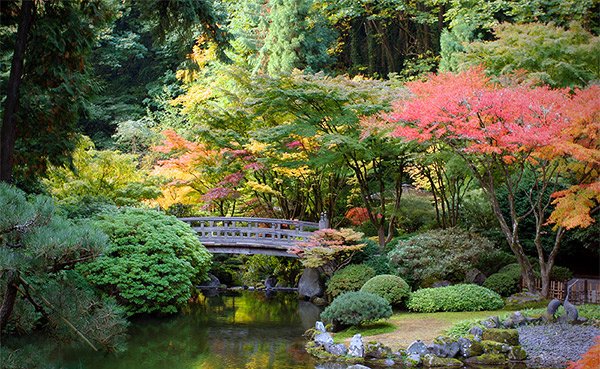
(552, 345)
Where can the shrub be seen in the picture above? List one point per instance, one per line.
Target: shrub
(492, 262)
(392, 288)
(460, 297)
(438, 255)
(506, 281)
(354, 308)
(505, 284)
(350, 278)
(559, 273)
(153, 261)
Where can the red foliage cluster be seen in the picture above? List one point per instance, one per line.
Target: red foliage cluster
(357, 215)
(589, 360)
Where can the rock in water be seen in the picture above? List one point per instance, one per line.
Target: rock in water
(357, 348)
(310, 284)
(270, 282)
(337, 349)
(323, 339)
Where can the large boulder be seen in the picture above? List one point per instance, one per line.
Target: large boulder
(417, 347)
(310, 284)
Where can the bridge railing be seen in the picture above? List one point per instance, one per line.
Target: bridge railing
(242, 230)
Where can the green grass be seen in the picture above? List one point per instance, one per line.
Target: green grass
(370, 329)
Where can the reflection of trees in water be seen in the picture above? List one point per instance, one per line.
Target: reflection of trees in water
(247, 330)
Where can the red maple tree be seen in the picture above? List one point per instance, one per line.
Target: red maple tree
(504, 132)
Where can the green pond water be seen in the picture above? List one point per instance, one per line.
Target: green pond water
(238, 330)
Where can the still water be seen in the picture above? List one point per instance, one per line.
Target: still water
(238, 330)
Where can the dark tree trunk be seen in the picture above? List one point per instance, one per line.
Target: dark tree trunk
(10, 296)
(9, 125)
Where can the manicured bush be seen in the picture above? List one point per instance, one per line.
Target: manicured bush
(153, 262)
(350, 278)
(505, 284)
(354, 308)
(438, 255)
(392, 288)
(460, 297)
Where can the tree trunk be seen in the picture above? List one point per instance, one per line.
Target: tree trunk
(8, 131)
(10, 296)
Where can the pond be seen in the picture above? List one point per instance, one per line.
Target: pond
(235, 330)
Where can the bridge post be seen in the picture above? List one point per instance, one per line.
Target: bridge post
(323, 222)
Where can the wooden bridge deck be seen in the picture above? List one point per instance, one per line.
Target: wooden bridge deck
(241, 235)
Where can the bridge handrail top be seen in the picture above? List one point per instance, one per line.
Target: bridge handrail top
(251, 219)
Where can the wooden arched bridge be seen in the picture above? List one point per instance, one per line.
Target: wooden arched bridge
(238, 235)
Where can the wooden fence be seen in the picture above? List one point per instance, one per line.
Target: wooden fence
(584, 291)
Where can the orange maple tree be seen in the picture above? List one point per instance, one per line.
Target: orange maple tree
(504, 132)
(589, 360)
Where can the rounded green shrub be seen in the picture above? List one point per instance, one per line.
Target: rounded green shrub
(436, 255)
(354, 308)
(559, 273)
(392, 288)
(350, 278)
(505, 284)
(460, 297)
(153, 261)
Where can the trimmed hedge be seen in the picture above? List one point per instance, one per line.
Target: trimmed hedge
(392, 288)
(348, 279)
(354, 308)
(460, 297)
(504, 284)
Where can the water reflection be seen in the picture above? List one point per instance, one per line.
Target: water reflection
(240, 330)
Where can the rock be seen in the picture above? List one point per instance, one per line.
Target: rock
(491, 322)
(475, 276)
(412, 360)
(337, 349)
(389, 362)
(270, 282)
(493, 347)
(434, 361)
(517, 353)
(437, 284)
(310, 284)
(515, 320)
(376, 350)
(213, 282)
(523, 299)
(487, 359)
(469, 348)
(445, 347)
(358, 366)
(320, 326)
(323, 339)
(356, 348)
(508, 336)
(417, 347)
(476, 331)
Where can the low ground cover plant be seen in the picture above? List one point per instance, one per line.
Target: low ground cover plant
(460, 297)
